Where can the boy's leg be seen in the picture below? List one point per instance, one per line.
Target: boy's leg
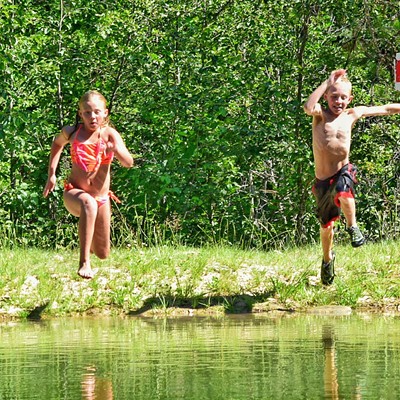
(326, 235)
(84, 206)
(348, 206)
(327, 267)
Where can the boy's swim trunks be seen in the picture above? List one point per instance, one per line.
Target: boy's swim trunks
(328, 191)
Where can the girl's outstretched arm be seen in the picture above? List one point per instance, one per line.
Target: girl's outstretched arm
(57, 146)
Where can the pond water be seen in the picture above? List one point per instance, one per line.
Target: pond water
(289, 356)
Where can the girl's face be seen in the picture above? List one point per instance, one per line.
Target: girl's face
(338, 97)
(93, 113)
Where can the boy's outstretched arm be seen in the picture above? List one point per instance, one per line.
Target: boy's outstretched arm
(372, 111)
(312, 106)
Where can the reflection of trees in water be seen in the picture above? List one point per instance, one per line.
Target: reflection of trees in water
(95, 387)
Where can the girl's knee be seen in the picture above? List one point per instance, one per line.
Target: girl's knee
(89, 204)
(101, 246)
(102, 252)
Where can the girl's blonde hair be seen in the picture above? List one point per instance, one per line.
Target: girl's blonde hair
(92, 93)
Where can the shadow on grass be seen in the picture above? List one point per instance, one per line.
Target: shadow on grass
(234, 304)
(36, 313)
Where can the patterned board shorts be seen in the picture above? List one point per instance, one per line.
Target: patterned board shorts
(328, 191)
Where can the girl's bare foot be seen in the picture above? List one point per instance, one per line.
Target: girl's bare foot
(85, 271)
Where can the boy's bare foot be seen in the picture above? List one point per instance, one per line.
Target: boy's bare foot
(85, 271)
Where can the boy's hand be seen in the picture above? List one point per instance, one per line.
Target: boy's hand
(335, 75)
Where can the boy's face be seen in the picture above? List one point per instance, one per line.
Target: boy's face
(338, 96)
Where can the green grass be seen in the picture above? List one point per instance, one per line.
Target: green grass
(210, 279)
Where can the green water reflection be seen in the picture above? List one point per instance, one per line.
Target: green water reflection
(235, 357)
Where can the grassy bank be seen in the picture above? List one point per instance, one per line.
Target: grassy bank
(184, 280)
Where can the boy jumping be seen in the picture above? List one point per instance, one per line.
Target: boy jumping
(335, 176)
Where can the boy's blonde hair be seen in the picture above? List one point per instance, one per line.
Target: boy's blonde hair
(342, 80)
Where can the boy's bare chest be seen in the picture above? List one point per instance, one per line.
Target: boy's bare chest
(336, 129)
(330, 133)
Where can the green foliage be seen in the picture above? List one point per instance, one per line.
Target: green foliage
(209, 96)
